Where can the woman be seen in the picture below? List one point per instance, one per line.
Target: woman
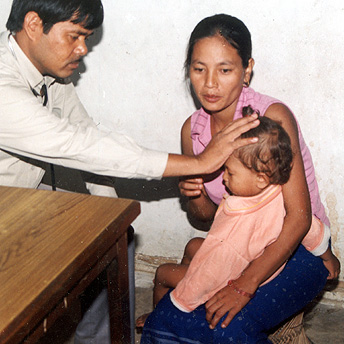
(219, 65)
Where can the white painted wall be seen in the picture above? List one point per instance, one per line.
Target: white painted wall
(134, 84)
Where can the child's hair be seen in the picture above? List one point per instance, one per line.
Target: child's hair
(232, 29)
(272, 154)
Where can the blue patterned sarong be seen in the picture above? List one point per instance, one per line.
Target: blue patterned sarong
(299, 283)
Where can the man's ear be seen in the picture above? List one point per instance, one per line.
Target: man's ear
(262, 181)
(33, 25)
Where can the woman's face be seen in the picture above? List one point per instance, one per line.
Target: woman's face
(217, 74)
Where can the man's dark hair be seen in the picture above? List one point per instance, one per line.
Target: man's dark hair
(88, 13)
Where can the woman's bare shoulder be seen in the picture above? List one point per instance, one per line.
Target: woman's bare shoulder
(186, 137)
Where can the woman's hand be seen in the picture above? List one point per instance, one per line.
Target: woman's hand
(331, 263)
(226, 300)
(191, 187)
(199, 204)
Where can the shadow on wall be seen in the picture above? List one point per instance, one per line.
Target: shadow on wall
(156, 190)
(147, 191)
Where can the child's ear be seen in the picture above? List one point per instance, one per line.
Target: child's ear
(262, 180)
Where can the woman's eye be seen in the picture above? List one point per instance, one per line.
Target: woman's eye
(226, 70)
(198, 70)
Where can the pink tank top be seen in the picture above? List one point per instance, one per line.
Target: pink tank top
(201, 135)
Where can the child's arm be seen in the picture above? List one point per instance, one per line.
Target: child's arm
(331, 263)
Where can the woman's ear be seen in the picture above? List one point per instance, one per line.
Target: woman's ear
(262, 180)
(33, 25)
(248, 72)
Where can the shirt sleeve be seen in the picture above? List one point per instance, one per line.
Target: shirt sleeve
(66, 135)
(317, 239)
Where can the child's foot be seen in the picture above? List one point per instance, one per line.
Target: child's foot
(140, 321)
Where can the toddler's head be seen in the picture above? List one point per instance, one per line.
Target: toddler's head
(255, 166)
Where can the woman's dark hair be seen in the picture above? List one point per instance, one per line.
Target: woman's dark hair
(230, 28)
(87, 12)
(272, 154)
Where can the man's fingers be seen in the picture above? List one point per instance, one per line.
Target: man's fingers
(243, 142)
(234, 133)
(243, 124)
(243, 128)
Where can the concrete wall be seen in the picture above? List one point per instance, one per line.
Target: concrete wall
(134, 84)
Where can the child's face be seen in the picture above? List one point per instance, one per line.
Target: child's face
(217, 74)
(239, 180)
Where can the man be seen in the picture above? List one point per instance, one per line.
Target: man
(43, 121)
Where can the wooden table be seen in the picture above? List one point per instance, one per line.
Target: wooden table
(52, 246)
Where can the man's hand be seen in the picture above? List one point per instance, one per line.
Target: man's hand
(226, 141)
(216, 153)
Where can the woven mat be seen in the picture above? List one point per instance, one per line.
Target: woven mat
(292, 332)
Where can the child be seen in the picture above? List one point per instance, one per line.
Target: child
(246, 222)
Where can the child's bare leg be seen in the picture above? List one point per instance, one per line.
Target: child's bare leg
(167, 276)
(190, 250)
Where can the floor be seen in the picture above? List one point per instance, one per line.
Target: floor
(324, 324)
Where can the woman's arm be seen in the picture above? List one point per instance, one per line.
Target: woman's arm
(199, 204)
(296, 224)
(296, 202)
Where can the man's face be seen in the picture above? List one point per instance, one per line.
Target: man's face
(59, 52)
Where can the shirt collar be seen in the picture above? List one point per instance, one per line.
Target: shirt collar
(235, 205)
(28, 70)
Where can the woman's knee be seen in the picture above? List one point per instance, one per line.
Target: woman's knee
(244, 328)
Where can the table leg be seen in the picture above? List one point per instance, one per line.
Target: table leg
(118, 294)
